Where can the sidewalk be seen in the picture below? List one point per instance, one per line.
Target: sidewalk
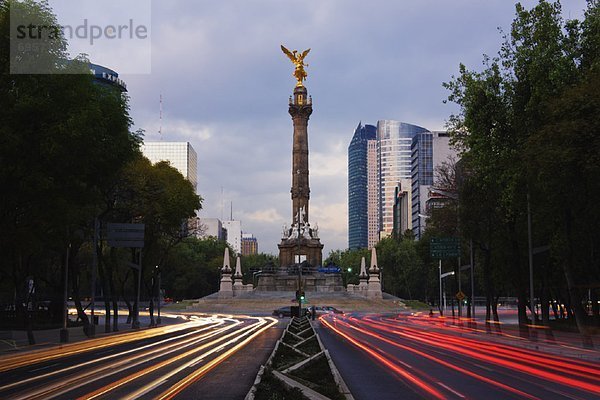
(15, 341)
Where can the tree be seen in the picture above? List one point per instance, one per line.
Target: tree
(163, 200)
(192, 268)
(507, 114)
(63, 140)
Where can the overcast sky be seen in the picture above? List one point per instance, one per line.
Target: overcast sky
(225, 85)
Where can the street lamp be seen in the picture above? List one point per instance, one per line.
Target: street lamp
(454, 196)
(158, 320)
(442, 276)
(64, 332)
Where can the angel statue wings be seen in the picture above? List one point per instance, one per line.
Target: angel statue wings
(298, 60)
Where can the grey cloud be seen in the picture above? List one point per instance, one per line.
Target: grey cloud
(218, 65)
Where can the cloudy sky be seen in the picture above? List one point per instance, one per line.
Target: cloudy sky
(225, 85)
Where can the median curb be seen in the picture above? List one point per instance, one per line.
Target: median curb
(289, 381)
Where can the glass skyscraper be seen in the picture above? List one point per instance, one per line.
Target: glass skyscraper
(422, 177)
(394, 156)
(358, 185)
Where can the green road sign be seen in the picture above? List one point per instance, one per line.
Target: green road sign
(448, 247)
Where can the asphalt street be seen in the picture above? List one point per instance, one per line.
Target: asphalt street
(405, 357)
(176, 361)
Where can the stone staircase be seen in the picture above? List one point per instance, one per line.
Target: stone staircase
(263, 303)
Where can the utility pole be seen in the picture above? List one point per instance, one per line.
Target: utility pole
(94, 268)
(472, 281)
(158, 320)
(440, 306)
(531, 296)
(64, 332)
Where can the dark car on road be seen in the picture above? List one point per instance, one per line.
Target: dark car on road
(283, 312)
(286, 312)
(321, 310)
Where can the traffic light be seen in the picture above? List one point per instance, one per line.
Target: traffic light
(302, 297)
(297, 295)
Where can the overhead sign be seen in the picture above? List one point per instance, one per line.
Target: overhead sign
(125, 235)
(448, 247)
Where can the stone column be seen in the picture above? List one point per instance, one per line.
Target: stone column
(300, 109)
(226, 288)
(374, 285)
(363, 285)
(238, 285)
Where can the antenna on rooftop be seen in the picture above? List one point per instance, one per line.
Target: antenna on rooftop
(160, 118)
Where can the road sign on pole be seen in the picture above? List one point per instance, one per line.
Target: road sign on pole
(125, 235)
(448, 247)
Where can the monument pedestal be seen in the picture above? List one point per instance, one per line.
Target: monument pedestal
(226, 287)
(309, 249)
(284, 282)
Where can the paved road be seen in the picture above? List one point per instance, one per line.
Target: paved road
(159, 363)
(414, 357)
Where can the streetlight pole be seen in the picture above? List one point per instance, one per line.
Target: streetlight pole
(440, 305)
(158, 320)
(94, 268)
(459, 290)
(472, 281)
(136, 320)
(64, 332)
(531, 296)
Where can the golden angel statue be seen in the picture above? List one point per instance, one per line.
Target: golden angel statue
(298, 60)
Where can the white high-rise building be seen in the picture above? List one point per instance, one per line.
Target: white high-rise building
(234, 234)
(394, 141)
(207, 227)
(181, 156)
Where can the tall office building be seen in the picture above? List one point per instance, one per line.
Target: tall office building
(422, 178)
(394, 157)
(181, 156)
(249, 244)
(372, 194)
(358, 185)
(107, 77)
(207, 227)
(429, 151)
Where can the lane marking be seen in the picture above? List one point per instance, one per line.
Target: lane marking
(450, 390)
(46, 367)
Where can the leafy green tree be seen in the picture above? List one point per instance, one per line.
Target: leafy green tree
(537, 88)
(192, 269)
(254, 263)
(63, 140)
(162, 199)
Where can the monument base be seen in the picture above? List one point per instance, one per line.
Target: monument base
(309, 249)
(284, 282)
